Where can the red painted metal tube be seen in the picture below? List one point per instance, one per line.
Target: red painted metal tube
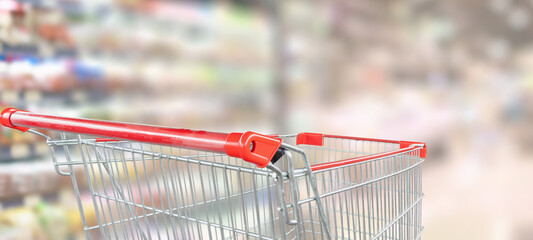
(363, 139)
(359, 159)
(252, 147)
(317, 139)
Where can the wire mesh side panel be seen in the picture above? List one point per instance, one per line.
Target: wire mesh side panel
(377, 199)
(358, 200)
(143, 191)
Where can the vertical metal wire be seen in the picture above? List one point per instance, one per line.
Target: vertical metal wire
(149, 191)
(389, 203)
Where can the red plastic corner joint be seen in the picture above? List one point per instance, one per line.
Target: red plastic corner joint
(315, 139)
(5, 119)
(252, 147)
(406, 144)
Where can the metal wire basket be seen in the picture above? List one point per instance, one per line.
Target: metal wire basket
(149, 182)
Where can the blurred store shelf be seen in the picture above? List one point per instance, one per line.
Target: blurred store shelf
(116, 60)
(455, 74)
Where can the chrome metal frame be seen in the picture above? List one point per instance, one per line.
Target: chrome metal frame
(146, 191)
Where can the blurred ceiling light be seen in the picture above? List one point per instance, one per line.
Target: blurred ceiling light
(10, 6)
(499, 6)
(518, 19)
(498, 49)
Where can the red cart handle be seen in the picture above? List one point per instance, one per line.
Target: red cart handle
(251, 147)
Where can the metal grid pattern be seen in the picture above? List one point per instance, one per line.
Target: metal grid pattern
(146, 191)
(376, 199)
(369, 200)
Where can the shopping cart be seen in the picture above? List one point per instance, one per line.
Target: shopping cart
(147, 182)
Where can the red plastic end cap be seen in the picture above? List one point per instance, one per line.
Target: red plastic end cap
(315, 139)
(252, 147)
(406, 144)
(5, 119)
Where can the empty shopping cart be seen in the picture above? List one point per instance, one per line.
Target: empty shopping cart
(148, 182)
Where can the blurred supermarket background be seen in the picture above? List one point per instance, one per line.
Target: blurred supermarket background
(455, 74)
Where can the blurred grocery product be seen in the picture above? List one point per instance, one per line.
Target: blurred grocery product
(41, 221)
(23, 218)
(53, 220)
(116, 61)
(8, 232)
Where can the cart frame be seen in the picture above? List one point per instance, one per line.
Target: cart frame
(284, 188)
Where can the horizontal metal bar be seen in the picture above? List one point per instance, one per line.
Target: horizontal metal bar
(362, 139)
(340, 163)
(186, 159)
(361, 184)
(166, 212)
(399, 217)
(302, 171)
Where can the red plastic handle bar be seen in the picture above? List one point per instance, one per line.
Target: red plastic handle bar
(251, 147)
